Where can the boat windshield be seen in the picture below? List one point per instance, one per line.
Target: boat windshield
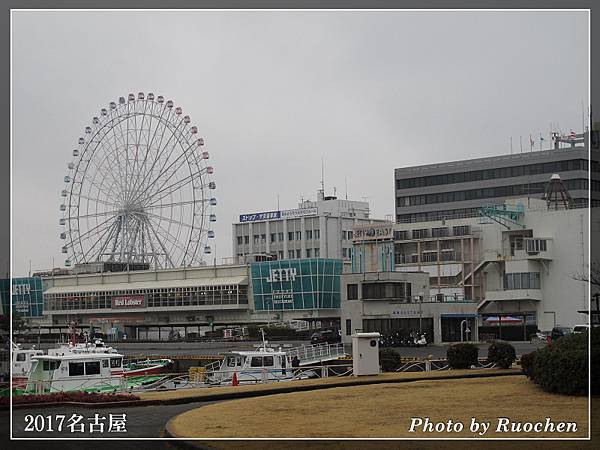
(262, 361)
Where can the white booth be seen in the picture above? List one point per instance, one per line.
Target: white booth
(365, 353)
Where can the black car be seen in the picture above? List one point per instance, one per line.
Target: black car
(558, 332)
(325, 337)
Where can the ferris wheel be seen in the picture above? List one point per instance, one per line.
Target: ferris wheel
(139, 188)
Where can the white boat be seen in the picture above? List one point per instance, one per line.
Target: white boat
(256, 366)
(101, 372)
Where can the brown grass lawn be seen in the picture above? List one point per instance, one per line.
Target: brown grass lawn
(385, 410)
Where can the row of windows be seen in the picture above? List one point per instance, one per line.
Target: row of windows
(460, 213)
(310, 253)
(372, 291)
(523, 280)
(490, 174)
(535, 245)
(279, 237)
(491, 192)
(445, 255)
(424, 233)
(154, 298)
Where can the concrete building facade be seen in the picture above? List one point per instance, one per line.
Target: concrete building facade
(319, 229)
(520, 261)
(460, 188)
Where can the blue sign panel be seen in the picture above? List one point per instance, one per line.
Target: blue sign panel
(270, 215)
(27, 296)
(296, 284)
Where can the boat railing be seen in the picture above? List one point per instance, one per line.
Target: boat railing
(259, 375)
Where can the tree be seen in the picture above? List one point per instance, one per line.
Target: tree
(592, 277)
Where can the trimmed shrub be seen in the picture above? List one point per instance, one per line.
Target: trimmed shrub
(389, 360)
(502, 354)
(562, 366)
(528, 364)
(462, 356)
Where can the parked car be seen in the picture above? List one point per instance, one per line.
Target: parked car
(559, 331)
(325, 336)
(580, 328)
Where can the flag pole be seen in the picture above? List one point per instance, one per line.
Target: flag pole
(521, 143)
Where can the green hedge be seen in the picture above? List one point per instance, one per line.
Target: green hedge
(502, 354)
(462, 356)
(562, 366)
(389, 360)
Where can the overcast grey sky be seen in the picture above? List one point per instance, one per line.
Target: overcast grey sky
(273, 92)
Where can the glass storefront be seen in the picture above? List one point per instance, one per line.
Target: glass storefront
(296, 284)
(27, 296)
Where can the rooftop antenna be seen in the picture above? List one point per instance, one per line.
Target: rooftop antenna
(323, 174)
(277, 202)
(346, 184)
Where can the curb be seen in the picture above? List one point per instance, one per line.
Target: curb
(262, 393)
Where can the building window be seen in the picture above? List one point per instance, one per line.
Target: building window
(240, 240)
(246, 239)
(298, 235)
(256, 238)
(298, 253)
(461, 230)
(317, 234)
(308, 252)
(401, 235)
(420, 234)
(317, 252)
(280, 253)
(429, 256)
(535, 245)
(263, 238)
(439, 232)
(290, 235)
(352, 291)
(291, 254)
(273, 237)
(350, 234)
(348, 327)
(280, 235)
(522, 280)
(309, 234)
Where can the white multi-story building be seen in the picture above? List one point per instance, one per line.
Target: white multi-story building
(521, 261)
(319, 229)
(514, 269)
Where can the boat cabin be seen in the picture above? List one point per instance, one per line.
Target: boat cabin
(264, 364)
(76, 372)
(22, 361)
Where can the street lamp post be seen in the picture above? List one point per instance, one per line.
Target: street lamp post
(420, 314)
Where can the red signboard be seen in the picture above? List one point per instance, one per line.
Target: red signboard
(129, 301)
